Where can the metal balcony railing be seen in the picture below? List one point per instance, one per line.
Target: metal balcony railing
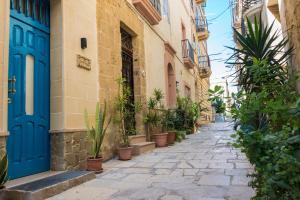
(247, 4)
(204, 66)
(156, 4)
(201, 24)
(204, 62)
(187, 50)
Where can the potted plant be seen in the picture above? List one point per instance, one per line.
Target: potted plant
(125, 110)
(187, 114)
(168, 125)
(153, 119)
(96, 134)
(3, 171)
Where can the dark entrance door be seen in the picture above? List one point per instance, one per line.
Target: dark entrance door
(28, 88)
(127, 75)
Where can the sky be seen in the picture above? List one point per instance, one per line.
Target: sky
(220, 31)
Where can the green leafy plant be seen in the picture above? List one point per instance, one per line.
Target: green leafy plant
(268, 111)
(180, 135)
(187, 114)
(259, 43)
(168, 120)
(155, 109)
(125, 111)
(97, 133)
(216, 99)
(3, 171)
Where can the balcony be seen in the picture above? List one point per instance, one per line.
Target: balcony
(204, 66)
(274, 8)
(252, 9)
(200, 1)
(150, 9)
(202, 28)
(188, 54)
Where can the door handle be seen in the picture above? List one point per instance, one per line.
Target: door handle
(12, 82)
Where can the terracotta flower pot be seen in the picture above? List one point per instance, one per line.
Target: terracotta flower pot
(171, 137)
(161, 139)
(125, 153)
(94, 164)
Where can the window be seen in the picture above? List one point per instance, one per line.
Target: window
(29, 106)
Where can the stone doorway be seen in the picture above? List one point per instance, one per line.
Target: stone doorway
(127, 76)
(171, 86)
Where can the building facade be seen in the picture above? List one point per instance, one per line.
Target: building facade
(60, 57)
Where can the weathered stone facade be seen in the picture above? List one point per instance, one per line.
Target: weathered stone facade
(111, 16)
(292, 15)
(2, 145)
(69, 150)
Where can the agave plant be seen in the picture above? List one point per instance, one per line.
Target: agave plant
(259, 43)
(3, 171)
(98, 132)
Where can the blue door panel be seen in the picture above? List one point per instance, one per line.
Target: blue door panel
(28, 145)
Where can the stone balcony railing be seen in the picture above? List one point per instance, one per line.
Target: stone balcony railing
(150, 9)
(188, 53)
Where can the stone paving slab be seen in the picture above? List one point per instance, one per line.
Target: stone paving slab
(202, 167)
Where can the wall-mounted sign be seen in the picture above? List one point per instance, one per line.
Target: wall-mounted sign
(84, 62)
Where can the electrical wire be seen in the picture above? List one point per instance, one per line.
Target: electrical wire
(222, 13)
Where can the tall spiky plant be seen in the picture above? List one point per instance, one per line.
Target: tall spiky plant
(97, 134)
(259, 43)
(155, 108)
(3, 171)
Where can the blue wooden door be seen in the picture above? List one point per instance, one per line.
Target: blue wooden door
(28, 88)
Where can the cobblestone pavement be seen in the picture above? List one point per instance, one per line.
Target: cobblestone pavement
(202, 167)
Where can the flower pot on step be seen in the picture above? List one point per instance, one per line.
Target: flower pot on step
(161, 139)
(95, 164)
(125, 153)
(171, 137)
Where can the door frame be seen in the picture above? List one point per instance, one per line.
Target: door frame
(39, 27)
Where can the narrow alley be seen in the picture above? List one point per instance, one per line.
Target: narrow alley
(202, 167)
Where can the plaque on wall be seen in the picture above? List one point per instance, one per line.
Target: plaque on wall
(84, 62)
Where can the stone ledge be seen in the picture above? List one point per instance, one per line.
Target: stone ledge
(67, 131)
(52, 185)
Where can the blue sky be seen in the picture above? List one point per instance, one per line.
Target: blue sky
(220, 36)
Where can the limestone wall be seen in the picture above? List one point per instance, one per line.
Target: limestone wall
(111, 16)
(4, 38)
(69, 150)
(80, 87)
(72, 88)
(169, 30)
(292, 16)
(154, 62)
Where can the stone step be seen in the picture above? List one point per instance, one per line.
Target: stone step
(142, 147)
(137, 139)
(46, 187)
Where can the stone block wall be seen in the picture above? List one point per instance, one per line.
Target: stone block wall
(69, 150)
(292, 14)
(2, 145)
(4, 39)
(111, 16)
